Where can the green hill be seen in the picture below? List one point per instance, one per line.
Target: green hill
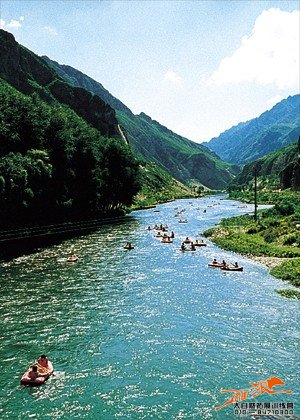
(185, 160)
(30, 74)
(253, 139)
(278, 170)
(158, 186)
(57, 161)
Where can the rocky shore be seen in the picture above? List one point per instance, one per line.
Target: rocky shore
(270, 262)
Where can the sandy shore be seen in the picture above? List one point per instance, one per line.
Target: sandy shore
(270, 262)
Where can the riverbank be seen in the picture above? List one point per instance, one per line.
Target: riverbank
(283, 268)
(149, 198)
(272, 240)
(269, 262)
(32, 238)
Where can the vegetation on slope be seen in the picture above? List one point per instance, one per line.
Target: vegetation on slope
(53, 165)
(158, 186)
(278, 170)
(51, 162)
(29, 74)
(260, 136)
(275, 234)
(289, 271)
(183, 159)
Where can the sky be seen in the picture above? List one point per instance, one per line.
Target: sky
(198, 67)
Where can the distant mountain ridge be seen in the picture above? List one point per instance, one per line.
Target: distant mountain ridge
(182, 158)
(267, 133)
(79, 79)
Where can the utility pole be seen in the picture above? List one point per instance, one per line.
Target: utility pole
(255, 195)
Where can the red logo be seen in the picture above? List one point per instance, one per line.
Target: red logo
(259, 388)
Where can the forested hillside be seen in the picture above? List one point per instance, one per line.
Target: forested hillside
(185, 160)
(158, 186)
(278, 170)
(30, 74)
(56, 160)
(54, 165)
(271, 131)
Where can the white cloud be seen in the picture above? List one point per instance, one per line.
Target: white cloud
(171, 76)
(269, 55)
(273, 101)
(50, 30)
(12, 24)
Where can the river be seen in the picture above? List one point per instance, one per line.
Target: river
(148, 333)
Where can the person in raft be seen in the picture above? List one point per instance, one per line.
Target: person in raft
(33, 374)
(43, 361)
(43, 365)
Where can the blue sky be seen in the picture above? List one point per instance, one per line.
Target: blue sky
(198, 67)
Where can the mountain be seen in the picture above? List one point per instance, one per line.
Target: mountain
(28, 73)
(62, 154)
(253, 139)
(280, 169)
(185, 160)
(54, 166)
(158, 186)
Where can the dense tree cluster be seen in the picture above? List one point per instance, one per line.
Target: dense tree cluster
(54, 165)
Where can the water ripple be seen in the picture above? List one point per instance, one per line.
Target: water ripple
(150, 333)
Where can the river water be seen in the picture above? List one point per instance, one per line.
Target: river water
(148, 333)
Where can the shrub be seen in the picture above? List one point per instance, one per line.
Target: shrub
(289, 270)
(270, 235)
(293, 239)
(288, 293)
(285, 209)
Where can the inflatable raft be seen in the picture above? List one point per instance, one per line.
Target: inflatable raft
(232, 268)
(166, 240)
(72, 258)
(128, 247)
(44, 373)
(216, 265)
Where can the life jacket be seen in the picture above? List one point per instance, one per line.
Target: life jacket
(43, 362)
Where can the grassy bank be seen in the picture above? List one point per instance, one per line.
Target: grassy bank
(276, 233)
(289, 271)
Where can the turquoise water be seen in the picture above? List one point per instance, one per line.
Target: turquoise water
(147, 333)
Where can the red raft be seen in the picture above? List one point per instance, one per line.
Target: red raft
(216, 265)
(44, 374)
